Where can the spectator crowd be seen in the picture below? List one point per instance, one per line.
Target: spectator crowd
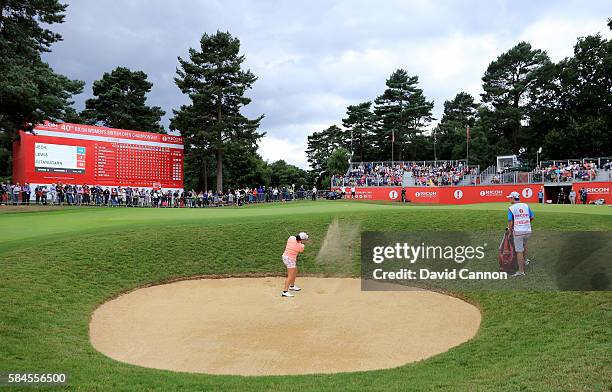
(423, 174)
(444, 173)
(371, 174)
(85, 195)
(441, 175)
(567, 172)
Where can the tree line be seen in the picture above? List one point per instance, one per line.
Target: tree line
(220, 142)
(528, 102)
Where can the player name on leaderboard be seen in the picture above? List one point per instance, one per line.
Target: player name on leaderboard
(106, 162)
(108, 156)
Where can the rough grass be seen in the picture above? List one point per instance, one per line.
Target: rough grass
(57, 266)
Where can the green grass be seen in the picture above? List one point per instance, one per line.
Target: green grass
(58, 266)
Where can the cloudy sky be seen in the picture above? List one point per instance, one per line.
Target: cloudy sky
(314, 58)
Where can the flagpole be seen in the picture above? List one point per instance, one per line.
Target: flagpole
(435, 140)
(351, 160)
(392, 143)
(467, 147)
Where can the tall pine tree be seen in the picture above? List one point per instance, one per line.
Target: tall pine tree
(30, 91)
(321, 145)
(359, 123)
(216, 84)
(583, 112)
(459, 113)
(508, 84)
(402, 112)
(120, 102)
(198, 145)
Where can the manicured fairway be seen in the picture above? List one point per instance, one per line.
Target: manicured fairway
(57, 266)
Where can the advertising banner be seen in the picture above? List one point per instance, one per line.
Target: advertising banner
(595, 191)
(472, 194)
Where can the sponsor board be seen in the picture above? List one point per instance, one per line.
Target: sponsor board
(595, 191)
(451, 195)
(477, 193)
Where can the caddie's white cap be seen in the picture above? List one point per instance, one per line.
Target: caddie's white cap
(303, 236)
(514, 195)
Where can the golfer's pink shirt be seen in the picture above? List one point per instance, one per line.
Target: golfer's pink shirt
(293, 248)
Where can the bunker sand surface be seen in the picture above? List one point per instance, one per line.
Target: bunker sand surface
(243, 326)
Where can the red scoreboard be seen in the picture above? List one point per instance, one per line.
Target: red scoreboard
(84, 154)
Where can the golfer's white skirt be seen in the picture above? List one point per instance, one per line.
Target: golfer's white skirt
(288, 262)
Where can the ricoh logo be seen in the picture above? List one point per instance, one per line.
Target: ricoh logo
(598, 190)
(426, 194)
(170, 138)
(491, 193)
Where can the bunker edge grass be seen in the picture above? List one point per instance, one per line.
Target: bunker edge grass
(58, 266)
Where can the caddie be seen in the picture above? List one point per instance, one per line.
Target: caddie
(519, 224)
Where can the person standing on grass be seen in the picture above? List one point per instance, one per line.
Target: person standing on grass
(519, 224)
(541, 196)
(38, 193)
(295, 246)
(59, 189)
(25, 194)
(16, 193)
(52, 194)
(3, 193)
(561, 197)
(572, 196)
(106, 194)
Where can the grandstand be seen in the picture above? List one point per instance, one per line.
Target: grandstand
(458, 173)
(455, 182)
(413, 173)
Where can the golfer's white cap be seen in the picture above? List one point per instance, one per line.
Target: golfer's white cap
(303, 236)
(514, 195)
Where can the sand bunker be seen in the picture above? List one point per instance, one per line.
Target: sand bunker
(242, 326)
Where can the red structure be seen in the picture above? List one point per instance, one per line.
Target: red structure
(474, 194)
(84, 154)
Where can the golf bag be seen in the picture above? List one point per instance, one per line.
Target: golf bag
(507, 255)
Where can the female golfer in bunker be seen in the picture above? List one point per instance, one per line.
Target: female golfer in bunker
(295, 246)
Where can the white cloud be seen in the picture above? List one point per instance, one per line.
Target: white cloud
(315, 58)
(288, 144)
(559, 35)
(273, 148)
